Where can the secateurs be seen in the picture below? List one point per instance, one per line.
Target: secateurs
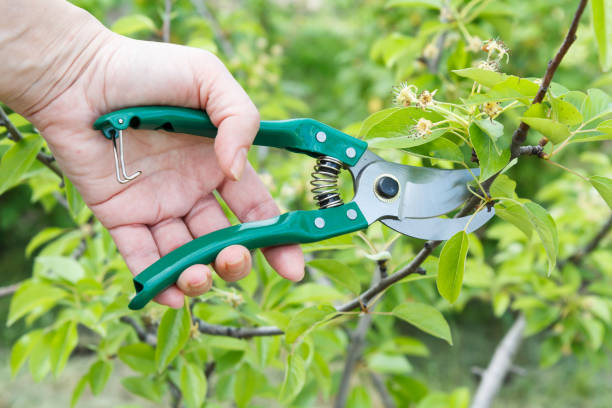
(408, 199)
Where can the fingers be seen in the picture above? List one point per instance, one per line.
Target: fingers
(249, 200)
(237, 119)
(234, 262)
(138, 248)
(171, 234)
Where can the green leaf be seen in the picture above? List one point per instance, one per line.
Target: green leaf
(193, 385)
(435, 4)
(59, 268)
(515, 215)
(597, 103)
(145, 387)
(451, 266)
(399, 122)
(31, 296)
(536, 110)
(565, 112)
(503, 186)
(554, 131)
(602, 28)
(244, 386)
(425, 318)
(386, 363)
(17, 160)
(305, 319)
(501, 301)
(604, 186)
(540, 318)
(21, 350)
(312, 292)
(40, 363)
(403, 142)
(482, 76)
(605, 127)
(373, 119)
(65, 340)
(595, 331)
(74, 199)
(512, 88)
(99, 373)
(359, 398)
(338, 273)
(134, 24)
(139, 357)
(78, 390)
(490, 161)
(42, 237)
(172, 335)
(545, 226)
(295, 378)
(441, 148)
(495, 131)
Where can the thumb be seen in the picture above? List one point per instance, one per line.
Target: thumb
(234, 114)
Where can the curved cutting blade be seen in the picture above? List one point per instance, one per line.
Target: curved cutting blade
(438, 229)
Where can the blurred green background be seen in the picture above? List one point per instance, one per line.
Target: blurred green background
(337, 61)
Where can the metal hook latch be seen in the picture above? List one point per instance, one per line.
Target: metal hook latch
(119, 161)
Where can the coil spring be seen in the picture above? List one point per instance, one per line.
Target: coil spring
(324, 182)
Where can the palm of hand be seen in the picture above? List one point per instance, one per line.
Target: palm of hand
(172, 202)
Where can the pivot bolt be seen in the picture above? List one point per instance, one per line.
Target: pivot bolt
(387, 187)
(319, 222)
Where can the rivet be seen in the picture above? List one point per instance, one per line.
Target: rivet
(120, 121)
(350, 152)
(351, 214)
(321, 136)
(319, 222)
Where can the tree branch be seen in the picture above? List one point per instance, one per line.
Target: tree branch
(9, 290)
(236, 332)
(142, 334)
(166, 21)
(501, 362)
(520, 135)
(577, 258)
(226, 45)
(15, 135)
(357, 342)
(385, 397)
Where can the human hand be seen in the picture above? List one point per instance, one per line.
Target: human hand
(172, 202)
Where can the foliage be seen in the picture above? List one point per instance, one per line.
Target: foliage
(456, 98)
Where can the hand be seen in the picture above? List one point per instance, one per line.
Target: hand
(172, 202)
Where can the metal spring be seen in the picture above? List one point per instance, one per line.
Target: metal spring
(324, 182)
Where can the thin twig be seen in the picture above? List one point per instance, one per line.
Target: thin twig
(536, 150)
(520, 135)
(577, 258)
(385, 397)
(166, 21)
(357, 342)
(15, 135)
(236, 332)
(494, 375)
(226, 45)
(142, 334)
(9, 290)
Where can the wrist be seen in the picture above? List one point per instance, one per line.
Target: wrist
(45, 50)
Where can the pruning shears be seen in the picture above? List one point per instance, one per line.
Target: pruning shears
(408, 199)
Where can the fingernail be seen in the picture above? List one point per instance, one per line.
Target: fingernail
(197, 284)
(239, 163)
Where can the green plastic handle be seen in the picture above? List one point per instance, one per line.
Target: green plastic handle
(290, 228)
(300, 135)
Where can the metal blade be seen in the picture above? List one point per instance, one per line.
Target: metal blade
(438, 229)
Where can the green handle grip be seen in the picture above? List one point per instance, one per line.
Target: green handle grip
(289, 228)
(300, 135)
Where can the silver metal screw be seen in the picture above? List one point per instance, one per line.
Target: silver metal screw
(321, 136)
(351, 214)
(319, 222)
(350, 152)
